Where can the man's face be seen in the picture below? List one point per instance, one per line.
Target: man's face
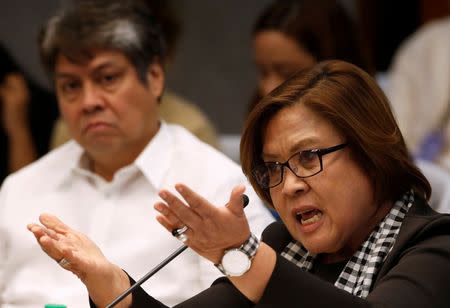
(108, 109)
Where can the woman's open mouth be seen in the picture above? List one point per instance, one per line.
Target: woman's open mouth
(309, 216)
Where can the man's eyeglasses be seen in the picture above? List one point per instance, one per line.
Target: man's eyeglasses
(303, 164)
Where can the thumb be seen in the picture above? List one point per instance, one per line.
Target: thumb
(237, 200)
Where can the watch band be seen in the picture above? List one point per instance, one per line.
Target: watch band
(249, 248)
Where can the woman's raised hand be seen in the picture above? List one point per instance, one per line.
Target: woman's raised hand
(211, 229)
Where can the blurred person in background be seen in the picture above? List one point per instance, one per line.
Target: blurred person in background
(291, 35)
(419, 91)
(27, 115)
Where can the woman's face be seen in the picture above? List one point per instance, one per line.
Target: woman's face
(333, 211)
(277, 57)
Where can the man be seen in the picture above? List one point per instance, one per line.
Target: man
(173, 108)
(104, 59)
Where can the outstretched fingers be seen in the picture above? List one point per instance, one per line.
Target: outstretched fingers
(56, 239)
(196, 202)
(177, 211)
(53, 223)
(48, 240)
(167, 218)
(40, 231)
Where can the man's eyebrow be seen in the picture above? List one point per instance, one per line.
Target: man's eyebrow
(103, 65)
(62, 75)
(95, 70)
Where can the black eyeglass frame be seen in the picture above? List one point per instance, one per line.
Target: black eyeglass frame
(318, 152)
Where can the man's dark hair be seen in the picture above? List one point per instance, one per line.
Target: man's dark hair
(127, 26)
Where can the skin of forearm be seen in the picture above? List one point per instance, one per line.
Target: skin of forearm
(104, 289)
(21, 149)
(253, 283)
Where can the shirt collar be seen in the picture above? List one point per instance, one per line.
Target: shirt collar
(153, 162)
(72, 155)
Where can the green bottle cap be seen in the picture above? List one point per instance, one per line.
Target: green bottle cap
(55, 306)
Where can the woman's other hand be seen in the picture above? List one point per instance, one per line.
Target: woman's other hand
(76, 253)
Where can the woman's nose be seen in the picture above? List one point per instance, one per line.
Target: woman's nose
(292, 184)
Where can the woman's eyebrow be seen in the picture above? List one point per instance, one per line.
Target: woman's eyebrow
(304, 144)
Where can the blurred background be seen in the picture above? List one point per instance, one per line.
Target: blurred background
(213, 65)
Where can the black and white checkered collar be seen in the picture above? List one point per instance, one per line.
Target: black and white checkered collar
(359, 272)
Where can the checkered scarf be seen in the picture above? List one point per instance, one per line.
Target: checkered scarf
(359, 272)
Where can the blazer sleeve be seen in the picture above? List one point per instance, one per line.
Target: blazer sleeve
(221, 294)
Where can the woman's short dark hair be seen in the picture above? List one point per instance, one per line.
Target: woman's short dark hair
(127, 26)
(321, 27)
(357, 108)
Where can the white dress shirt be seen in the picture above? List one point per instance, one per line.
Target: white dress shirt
(117, 215)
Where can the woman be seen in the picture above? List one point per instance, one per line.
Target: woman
(290, 35)
(324, 150)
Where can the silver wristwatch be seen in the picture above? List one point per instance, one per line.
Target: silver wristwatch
(237, 261)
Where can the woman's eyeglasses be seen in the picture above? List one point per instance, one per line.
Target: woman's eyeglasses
(303, 164)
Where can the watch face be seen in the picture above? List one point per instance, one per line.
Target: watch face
(235, 262)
